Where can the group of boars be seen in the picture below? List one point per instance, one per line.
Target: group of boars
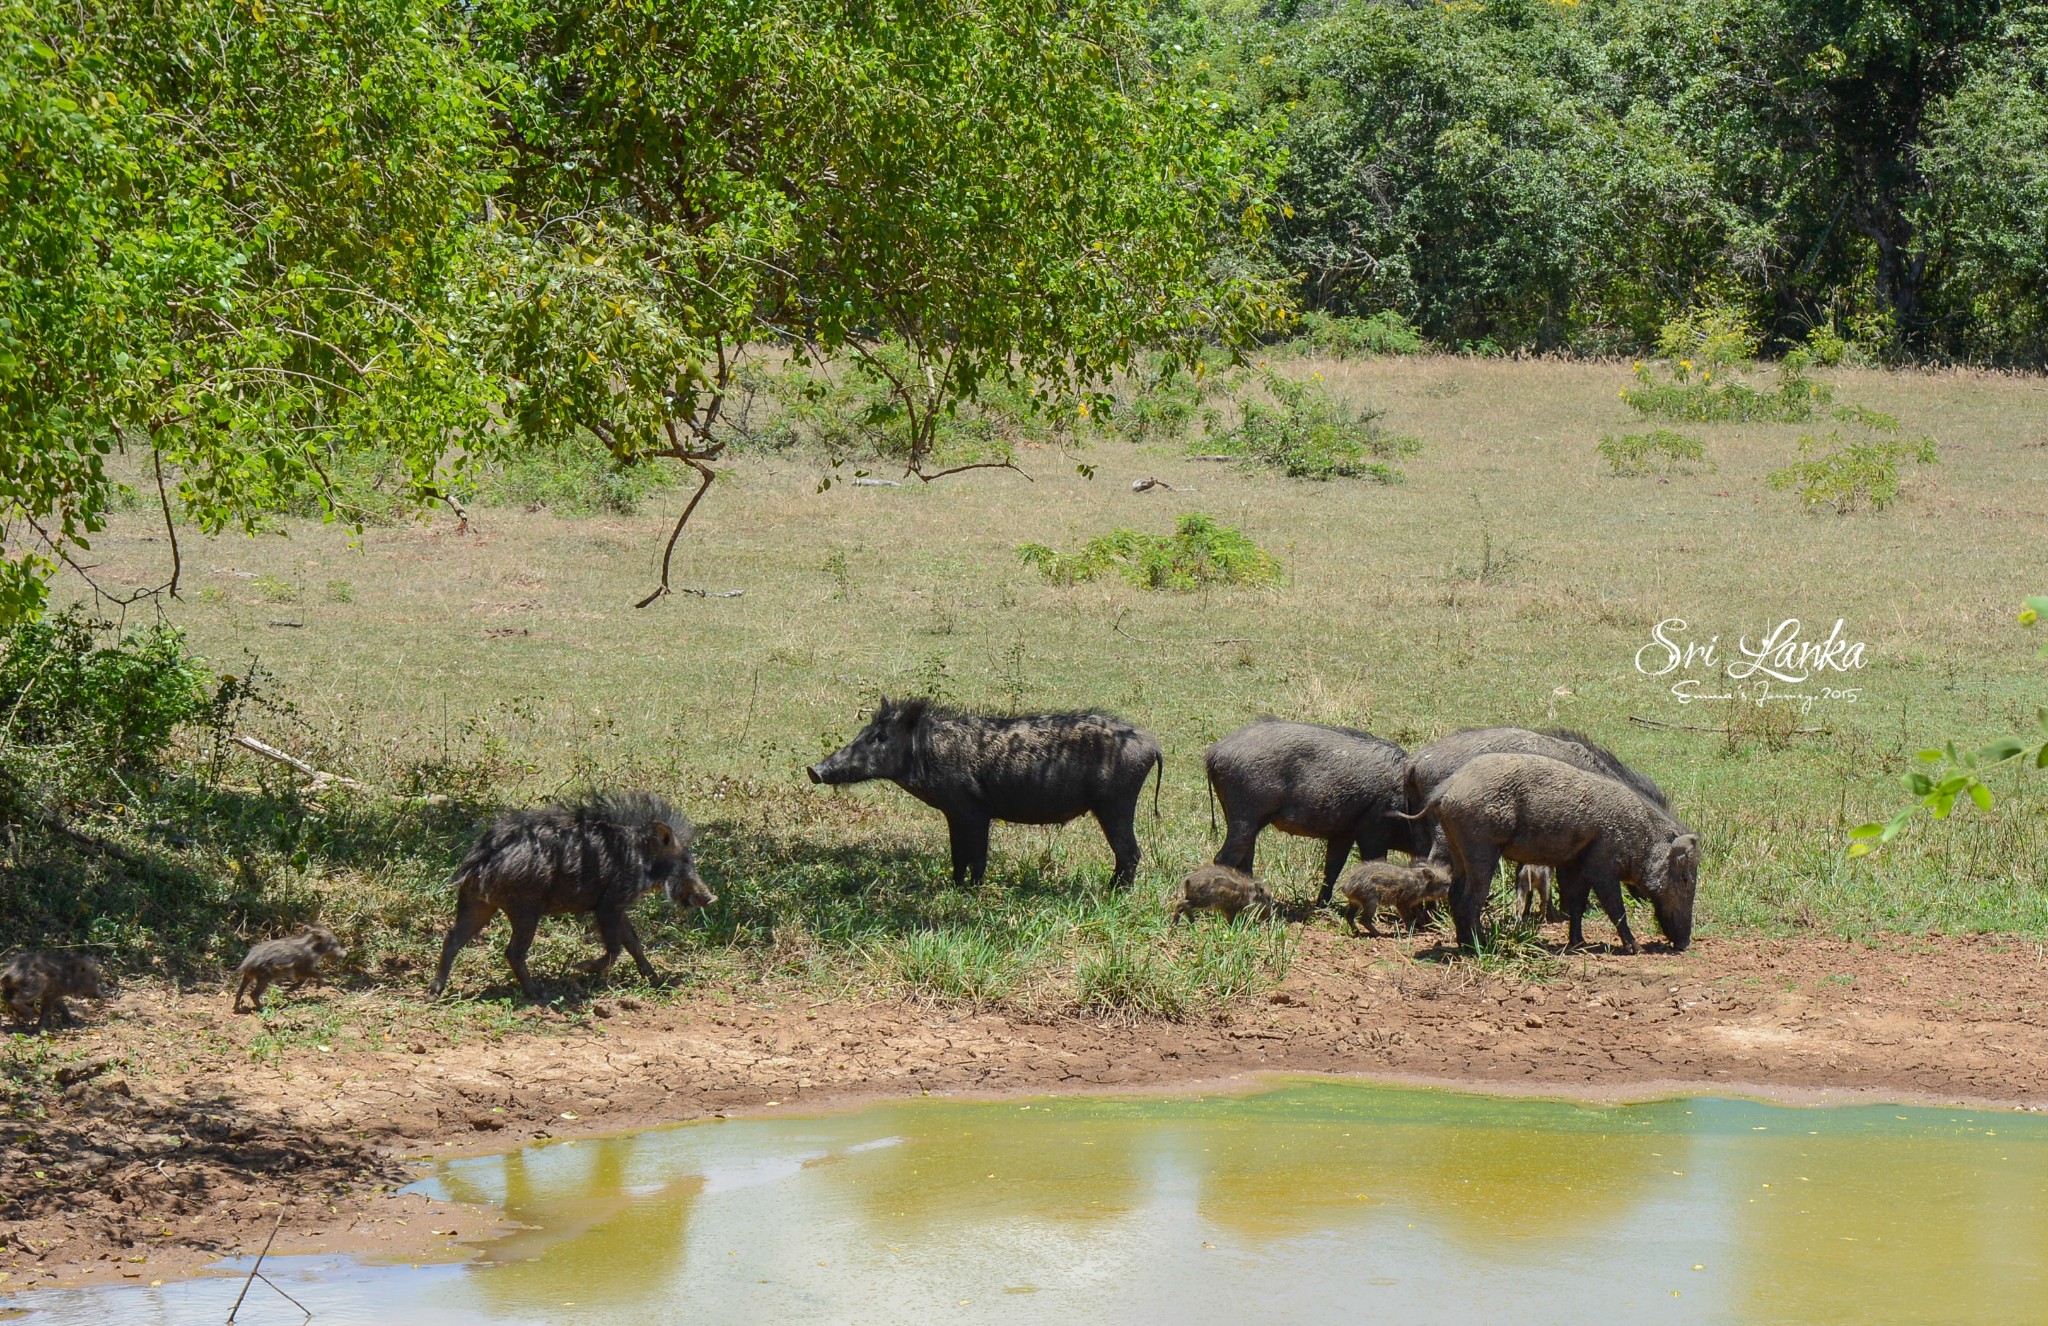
(1557, 804)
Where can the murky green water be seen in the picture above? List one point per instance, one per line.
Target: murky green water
(1310, 1202)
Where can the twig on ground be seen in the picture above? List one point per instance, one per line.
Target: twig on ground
(1690, 727)
(321, 778)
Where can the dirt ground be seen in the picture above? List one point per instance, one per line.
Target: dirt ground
(148, 1171)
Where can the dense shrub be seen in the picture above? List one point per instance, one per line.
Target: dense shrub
(117, 701)
(1306, 433)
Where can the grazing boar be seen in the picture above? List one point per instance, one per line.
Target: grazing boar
(1334, 783)
(295, 959)
(1028, 769)
(1225, 891)
(1595, 833)
(36, 983)
(1412, 891)
(1437, 761)
(597, 858)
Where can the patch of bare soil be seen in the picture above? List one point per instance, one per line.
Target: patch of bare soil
(183, 1149)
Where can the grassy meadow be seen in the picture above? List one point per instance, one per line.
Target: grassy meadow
(1510, 578)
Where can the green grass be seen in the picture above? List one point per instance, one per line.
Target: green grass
(506, 664)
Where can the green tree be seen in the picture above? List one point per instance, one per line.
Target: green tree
(948, 192)
(236, 238)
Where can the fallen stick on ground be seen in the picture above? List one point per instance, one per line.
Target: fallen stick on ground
(320, 777)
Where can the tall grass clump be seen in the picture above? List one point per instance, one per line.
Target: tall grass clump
(976, 966)
(1197, 554)
(1306, 433)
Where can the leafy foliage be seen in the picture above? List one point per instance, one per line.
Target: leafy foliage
(1951, 774)
(1689, 392)
(117, 701)
(1306, 433)
(1654, 452)
(1384, 333)
(1848, 476)
(1199, 552)
(575, 476)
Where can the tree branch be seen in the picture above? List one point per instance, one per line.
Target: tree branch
(978, 465)
(170, 527)
(695, 460)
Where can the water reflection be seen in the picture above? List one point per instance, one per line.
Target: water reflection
(1311, 1201)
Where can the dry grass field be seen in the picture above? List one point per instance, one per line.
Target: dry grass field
(1509, 579)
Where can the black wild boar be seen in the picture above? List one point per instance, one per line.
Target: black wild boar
(1596, 835)
(1029, 769)
(597, 858)
(295, 959)
(36, 983)
(1413, 891)
(1334, 783)
(1227, 892)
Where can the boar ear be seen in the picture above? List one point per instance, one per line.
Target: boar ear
(663, 834)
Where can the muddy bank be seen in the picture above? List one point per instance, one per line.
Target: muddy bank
(181, 1149)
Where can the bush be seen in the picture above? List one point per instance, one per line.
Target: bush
(580, 477)
(1384, 333)
(1660, 450)
(1712, 334)
(1308, 434)
(1845, 476)
(1700, 399)
(116, 703)
(1199, 552)
(1159, 398)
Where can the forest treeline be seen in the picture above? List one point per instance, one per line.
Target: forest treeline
(246, 241)
(1553, 174)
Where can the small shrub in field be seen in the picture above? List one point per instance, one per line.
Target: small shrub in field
(1159, 398)
(1384, 333)
(1199, 552)
(580, 477)
(1652, 452)
(1692, 393)
(1846, 476)
(119, 701)
(1709, 334)
(1308, 434)
(1830, 348)
(275, 590)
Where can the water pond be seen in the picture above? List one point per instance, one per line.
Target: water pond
(1309, 1201)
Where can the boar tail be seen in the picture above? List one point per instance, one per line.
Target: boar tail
(1158, 777)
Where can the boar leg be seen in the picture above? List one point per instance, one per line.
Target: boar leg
(472, 914)
(1335, 853)
(1240, 843)
(1472, 875)
(618, 929)
(1119, 825)
(969, 833)
(523, 926)
(1607, 888)
(1572, 897)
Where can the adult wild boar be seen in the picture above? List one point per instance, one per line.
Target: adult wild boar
(596, 858)
(1437, 761)
(1595, 833)
(1335, 783)
(1026, 769)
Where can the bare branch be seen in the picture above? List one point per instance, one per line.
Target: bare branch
(170, 526)
(978, 465)
(668, 554)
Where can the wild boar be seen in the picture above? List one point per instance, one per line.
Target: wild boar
(1026, 769)
(1595, 833)
(295, 959)
(1412, 891)
(1338, 784)
(1229, 893)
(598, 857)
(36, 983)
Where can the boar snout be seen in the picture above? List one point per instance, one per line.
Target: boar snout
(816, 773)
